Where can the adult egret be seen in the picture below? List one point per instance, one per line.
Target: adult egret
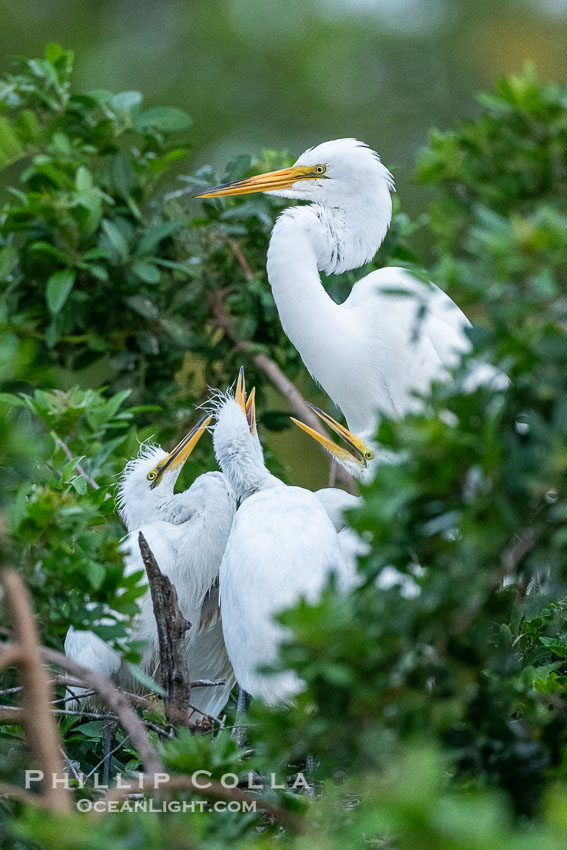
(282, 547)
(394, 334)
(187, 532)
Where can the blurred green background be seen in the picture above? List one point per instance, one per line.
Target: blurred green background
(260, 74)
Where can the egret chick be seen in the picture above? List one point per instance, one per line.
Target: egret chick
(282, 546)
(187, 533)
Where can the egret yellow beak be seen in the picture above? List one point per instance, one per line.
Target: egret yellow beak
(180, 453)
(354, 449)
(284, 178)
(248, 407)
(240, 392)
(251, 410)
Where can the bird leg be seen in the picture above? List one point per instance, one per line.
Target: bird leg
(239, 731)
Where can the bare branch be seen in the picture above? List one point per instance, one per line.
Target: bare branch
(171, 629)
(11, 714)
(278, 380)
(10, 654)
(38, 722)
(242, 261)
(63, 446)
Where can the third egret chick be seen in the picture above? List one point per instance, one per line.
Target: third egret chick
(282, 547)
(360, 460)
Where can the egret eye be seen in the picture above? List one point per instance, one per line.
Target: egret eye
(151, 476)
(320, 169)
(368, 455)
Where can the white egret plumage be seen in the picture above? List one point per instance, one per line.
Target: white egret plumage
(187, 533)
(394, 334)
(282, 546)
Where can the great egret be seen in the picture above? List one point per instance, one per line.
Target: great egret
(282, 546)
(187, 532)
(394, 334)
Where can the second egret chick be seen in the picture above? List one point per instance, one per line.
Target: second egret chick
(187, 533)
(282, 547)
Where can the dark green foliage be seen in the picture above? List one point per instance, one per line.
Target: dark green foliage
(435, 709)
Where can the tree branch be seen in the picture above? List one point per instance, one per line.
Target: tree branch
(278, 380)
(10, 654)
(38, 722)
(14, 792)
(171, 629)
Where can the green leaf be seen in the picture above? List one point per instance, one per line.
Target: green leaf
(154, 235)
(59, 58)
(92, 729)
(125, 102)
(96, 270)
(113, 404)
(12, 400)
(95, 571)
(46, 248)
(165, 118)
(143, 306)
(83, 179)
(123, 175)
(79, 484)
(115, 238)
(146, 271)
(10, 146)
(8, 259)
(59, 288)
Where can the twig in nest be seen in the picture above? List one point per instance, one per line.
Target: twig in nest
(171, 629)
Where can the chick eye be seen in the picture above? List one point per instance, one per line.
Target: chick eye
(151, 476)
(320, 169)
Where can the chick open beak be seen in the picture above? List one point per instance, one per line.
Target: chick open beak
(240, 392)
(248, 407)
(284, 178)
(251, 410)
(177, 457)
(354, 448)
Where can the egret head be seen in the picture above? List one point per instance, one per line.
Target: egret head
(149, 479)
(354, 454)
(237, 448)
(328, 174)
